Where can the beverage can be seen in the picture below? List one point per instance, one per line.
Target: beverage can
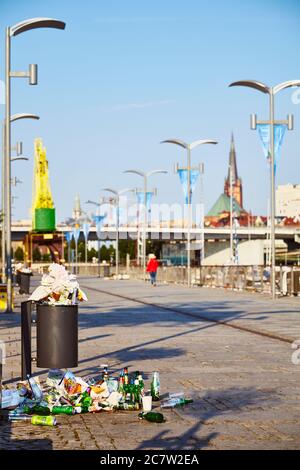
(66, 410)
(43, 420)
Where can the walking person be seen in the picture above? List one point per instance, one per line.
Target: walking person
(152, 268)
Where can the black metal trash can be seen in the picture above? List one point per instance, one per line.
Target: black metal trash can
(24, 282)
(57, 336)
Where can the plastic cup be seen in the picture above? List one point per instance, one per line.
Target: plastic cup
(147, 403)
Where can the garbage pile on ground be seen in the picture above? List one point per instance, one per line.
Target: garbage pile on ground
(65, 393)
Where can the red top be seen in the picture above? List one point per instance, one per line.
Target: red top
(152, 266)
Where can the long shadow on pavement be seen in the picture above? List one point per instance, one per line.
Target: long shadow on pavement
(212, 404)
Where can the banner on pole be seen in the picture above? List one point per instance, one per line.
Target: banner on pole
(86, 229)
(141, 198)
(183, 175)
(68, 237)
(76, 233)
(264, 133)
(98, 219)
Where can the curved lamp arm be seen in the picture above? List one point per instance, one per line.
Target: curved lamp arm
(201, 142)
(252, 84)
(111, 191)
(93, 202)
(283, 85)
(16, 117)
(126, 190)
(136, 172)
(175, 141)
(153, 172)
(19, 158)
(34, 23)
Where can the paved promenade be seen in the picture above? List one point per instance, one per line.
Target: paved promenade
(244, 385)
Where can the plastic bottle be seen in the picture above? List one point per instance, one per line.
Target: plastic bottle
(152, 416)
(19, 417)
(36, 391)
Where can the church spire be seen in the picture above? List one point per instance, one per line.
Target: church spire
(237, 189)
(77, 212)
(232, 161)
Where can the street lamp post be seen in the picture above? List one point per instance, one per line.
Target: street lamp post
(14, 117)
(145, 177)
(13, 31)
(231, 214)
(189, 148)
(271, 91)
(116, 201)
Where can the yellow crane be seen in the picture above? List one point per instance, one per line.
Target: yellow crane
(43, 211)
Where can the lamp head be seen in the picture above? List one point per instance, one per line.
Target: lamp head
(33, 69)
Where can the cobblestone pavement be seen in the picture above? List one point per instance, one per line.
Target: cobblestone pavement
(245, 387)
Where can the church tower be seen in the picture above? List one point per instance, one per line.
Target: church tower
(237, 188)
(77, 212)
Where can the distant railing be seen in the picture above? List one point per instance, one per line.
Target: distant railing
(240, 278)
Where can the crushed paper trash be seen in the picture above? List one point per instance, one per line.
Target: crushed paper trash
(58, 287)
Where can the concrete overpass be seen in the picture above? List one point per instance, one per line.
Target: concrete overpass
(289, 234)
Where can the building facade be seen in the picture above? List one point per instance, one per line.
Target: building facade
(288, 200)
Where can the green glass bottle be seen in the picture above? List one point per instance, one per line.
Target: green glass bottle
(105, 375)
(142, 386)
(152, 416)
(155, 386)
(184, 401)
(63, 410)
(127, 406)
(121, 384)
(137, 391)
(86, 399)
(126, 377)
(175, 402)
(36, 410)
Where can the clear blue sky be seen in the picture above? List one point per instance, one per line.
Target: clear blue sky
(126, 74)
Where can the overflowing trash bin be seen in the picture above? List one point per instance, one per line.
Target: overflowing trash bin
(41, 401)
(24, 282)
(57, 336)
(22, 276)
(56, 301)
